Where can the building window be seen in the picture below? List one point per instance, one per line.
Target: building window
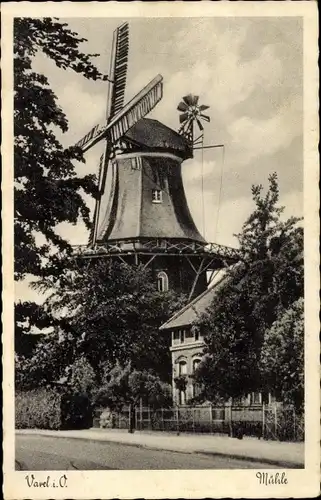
(196, 390)
(189, 334)
(256, 398)
(182, 368)
(197, 334)
(196, 362)
(162, 282)
(182, 397)
(196, 387)
(182, 336)
(157, 196)
(175, 336)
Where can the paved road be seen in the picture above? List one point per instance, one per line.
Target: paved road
(50, 453)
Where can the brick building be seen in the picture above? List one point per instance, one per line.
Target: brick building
(187, 344)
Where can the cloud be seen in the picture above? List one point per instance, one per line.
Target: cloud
(253, 137)
(82, 109)
(293, 204)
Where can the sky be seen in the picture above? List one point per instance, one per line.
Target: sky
(248, 70)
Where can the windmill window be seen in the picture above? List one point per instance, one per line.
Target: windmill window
(157, 196)
(162, 282)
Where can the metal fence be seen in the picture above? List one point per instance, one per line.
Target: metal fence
(262, 421)
(182, 419)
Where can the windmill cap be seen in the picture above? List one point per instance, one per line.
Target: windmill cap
(153, 134)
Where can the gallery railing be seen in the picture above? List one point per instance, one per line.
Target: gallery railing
(159, 246)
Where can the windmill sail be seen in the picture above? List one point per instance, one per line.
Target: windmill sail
(118, 73)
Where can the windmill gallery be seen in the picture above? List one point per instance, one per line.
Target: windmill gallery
(144, 217)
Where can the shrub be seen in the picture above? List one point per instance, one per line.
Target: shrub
(39, 408)
(76, 411)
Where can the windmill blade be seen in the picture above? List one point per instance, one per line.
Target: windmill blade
(200, 126)
(182, 106)
(191, 99)
(118, 73)
(205, 117)
(102, 171)
(203, 107)
(183, 117)
(88, 137)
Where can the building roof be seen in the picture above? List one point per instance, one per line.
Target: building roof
(155, 135)
(191, 312)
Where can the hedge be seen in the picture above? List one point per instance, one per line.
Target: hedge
(39, 408)
(52, 409)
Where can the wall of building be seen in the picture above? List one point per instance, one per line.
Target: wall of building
(187, 351)
(171, 217)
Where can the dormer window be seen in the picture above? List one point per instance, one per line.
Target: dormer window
(157, 196)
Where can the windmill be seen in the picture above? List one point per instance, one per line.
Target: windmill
(144, 218)
(119, 118)
(191, 115)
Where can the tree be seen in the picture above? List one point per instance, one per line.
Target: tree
(50, 362)
(282, 357)
(107, 313)
(124, 386)
(47, 190)
(265, 283)
(82, 377)
(27, 316)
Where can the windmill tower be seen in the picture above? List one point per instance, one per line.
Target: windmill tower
(144, 217)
